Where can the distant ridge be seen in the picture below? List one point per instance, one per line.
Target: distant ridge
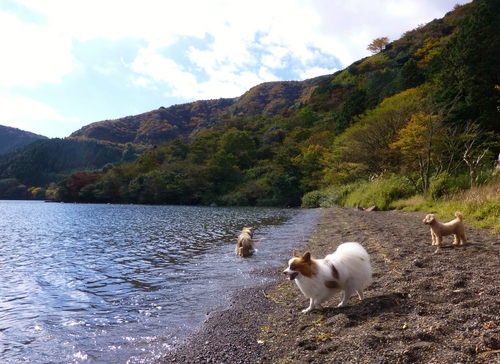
(13, 138)
(164, 124)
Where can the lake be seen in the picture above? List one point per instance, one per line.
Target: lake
(88, 283)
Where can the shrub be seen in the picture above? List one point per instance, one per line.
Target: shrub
(440, 186)
(445, 184)
(382, 192)
(335, 196)
(233, 199)
(313, 199)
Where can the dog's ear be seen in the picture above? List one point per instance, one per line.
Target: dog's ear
(295, 254)
(428, 219)
(306, 257)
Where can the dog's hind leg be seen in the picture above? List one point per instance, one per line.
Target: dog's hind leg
(360, 294)
(348, 291)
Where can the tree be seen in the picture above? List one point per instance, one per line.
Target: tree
(470, 67)
(38, 193)
(223, 172)
(203, 146)
(129, 153)
(354, 104)
(416, 145)
(241, 145)
(310, 165)
(364, 146)
(378, 45)
(477, 144)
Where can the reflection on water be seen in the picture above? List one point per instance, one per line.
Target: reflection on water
(121, 283)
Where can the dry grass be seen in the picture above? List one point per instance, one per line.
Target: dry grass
(480, 206)
(479, 195)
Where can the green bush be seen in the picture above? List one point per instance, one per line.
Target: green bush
(440, 186)
(382, 192)
(335, 196)
(313, 199)
(445, 184)
(233, 199)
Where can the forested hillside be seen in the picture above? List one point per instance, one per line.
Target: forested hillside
(39, 165)
(162, 125)
(419, 113)
(13, 138)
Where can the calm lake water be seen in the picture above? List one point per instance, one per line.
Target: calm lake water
(122, 283)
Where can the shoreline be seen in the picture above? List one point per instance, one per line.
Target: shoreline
(229, 335)
(420, 307)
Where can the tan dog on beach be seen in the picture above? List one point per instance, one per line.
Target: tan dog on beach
(438, 229)
(245, 245)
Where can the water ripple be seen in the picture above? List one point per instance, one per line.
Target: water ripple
(121, 283)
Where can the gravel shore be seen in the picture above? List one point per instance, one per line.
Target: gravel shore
(422, 307)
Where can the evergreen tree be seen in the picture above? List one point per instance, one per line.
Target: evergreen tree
(470, 69)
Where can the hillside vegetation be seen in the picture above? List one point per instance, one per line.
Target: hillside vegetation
(13, 138)
(418, 118)
(185, 120)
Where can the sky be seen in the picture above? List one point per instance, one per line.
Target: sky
(65, 63)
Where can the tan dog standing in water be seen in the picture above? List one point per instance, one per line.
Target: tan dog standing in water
(245, 245)
(438, 229)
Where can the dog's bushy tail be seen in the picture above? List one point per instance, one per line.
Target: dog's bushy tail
(459, 216)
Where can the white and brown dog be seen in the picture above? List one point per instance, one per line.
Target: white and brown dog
(245, 246)
(438, 229)
(348, 269)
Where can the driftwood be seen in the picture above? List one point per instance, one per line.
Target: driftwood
(371, 208)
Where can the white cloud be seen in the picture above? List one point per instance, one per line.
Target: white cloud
(144, 82)
(315, 72)
(32, 54)
(245, 34)
(347, 27)
(114, 20)
(155, 68)
(275, 57)
(27, 114)
(190, 49)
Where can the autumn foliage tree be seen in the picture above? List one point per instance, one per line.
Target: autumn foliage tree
(403, 112)
(378, 45)
(416, 144)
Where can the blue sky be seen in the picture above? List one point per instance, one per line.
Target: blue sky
(66, 63)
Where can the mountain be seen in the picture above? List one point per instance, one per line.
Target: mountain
(164, 124)
(48, 160)
(399, 67)
(13, 138)
(415, 110)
